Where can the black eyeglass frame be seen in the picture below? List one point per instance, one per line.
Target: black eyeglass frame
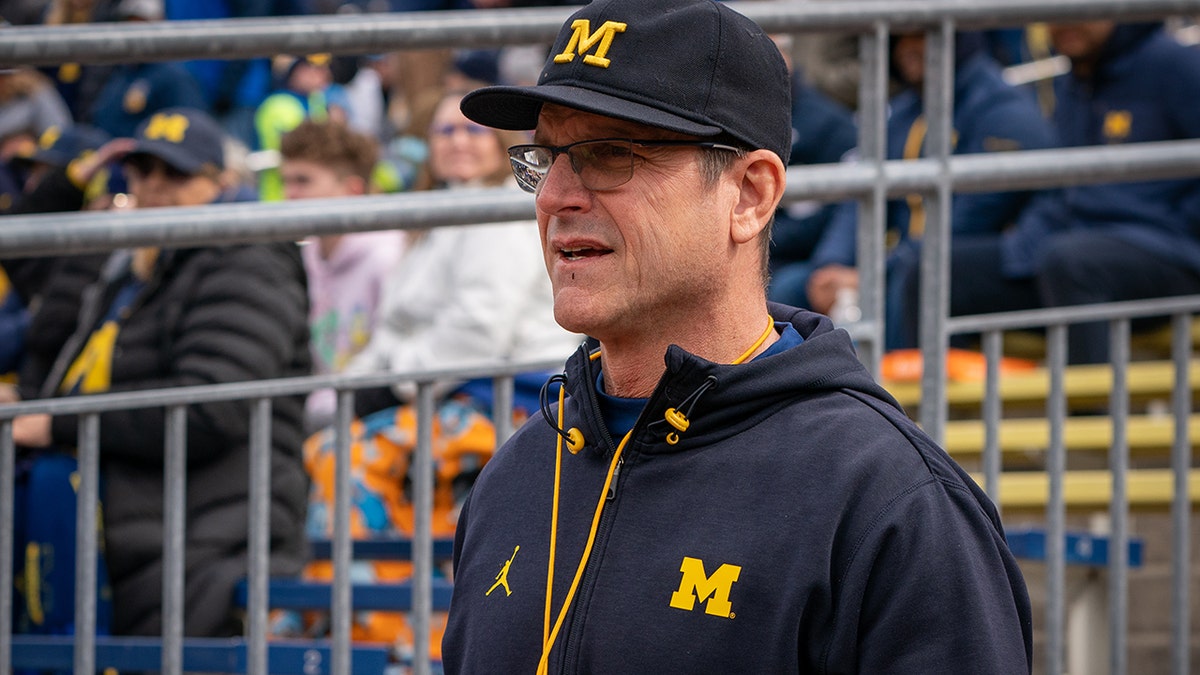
(525, 173)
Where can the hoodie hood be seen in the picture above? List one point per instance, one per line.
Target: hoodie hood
(1125, 38)
(721, 400)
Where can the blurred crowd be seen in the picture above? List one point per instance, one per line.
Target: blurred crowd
(297, 126)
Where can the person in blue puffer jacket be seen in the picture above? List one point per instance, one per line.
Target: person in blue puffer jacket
(1129, 83)
(989, 116)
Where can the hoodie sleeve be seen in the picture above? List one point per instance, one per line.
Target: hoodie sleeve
(930, 566)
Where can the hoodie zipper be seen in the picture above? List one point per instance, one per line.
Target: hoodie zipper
(570, 644)
(612, 486)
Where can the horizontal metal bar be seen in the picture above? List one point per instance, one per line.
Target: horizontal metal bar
(1000, 171)
(79, 232)
(380, 32)
(1051, 316)
(232, 391)
(251, 222)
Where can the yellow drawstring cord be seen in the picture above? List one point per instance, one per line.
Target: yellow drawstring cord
(757, 343)
(548, 635)
(679, 420)
(543, 663)
(562, 393)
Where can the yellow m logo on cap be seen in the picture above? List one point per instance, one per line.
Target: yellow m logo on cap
(167, 127)
(583, 39)
(711, 590)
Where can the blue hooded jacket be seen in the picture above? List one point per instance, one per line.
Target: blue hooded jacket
(800, 523)
(1145, 87)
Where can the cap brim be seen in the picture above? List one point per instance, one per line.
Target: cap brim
(170, 153)
(517, 108)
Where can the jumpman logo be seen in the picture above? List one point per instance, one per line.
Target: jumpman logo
(502, 577)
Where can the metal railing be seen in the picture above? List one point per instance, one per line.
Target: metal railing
(174, 402)
(1055, 321)
(871, 181)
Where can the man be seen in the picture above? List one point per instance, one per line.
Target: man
(767, 507)
(989, 116)
(1128, 83)
(158, 318)
(346, 272)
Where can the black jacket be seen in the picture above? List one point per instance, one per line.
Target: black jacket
(800, 524)
(206, 316)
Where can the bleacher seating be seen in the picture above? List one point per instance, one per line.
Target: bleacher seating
(1023, 435)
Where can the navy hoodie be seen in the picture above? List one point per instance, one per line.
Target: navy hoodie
(801, 523)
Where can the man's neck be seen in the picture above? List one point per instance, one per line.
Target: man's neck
(632, 367)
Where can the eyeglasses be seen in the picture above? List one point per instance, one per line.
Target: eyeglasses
(471, 128)
(601, 164)
(144, 165)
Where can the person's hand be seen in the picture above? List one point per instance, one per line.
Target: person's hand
(31, 431)
(83, 169)
(9, 393)
(824, 283)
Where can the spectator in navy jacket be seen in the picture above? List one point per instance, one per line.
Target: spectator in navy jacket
(989, 116)
(1101, 243)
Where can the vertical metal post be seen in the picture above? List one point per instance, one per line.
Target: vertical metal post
(174, 522)
(422, 548)
(502, 408)
(340, 612)
(259, 528)
(1056, 466)
(938, 105)
(1181, 456)
(872, 210)
(1118, 508)
(992, 344)
(8, 457)
(88, 452)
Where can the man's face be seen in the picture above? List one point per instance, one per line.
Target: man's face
(1081, 41)
(153, 182)
(305, 179)
(908, 57)
(625, 260)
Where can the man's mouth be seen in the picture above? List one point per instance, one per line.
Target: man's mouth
(582, 252)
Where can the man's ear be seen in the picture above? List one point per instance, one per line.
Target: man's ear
(761, 180)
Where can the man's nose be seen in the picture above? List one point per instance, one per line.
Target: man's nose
(561, 187)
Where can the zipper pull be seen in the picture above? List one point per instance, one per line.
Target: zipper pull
(612, 486)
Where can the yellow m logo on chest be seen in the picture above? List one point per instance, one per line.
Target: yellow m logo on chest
(711, 590)
(583, 39)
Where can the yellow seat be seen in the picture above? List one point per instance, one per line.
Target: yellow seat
(1092, 489)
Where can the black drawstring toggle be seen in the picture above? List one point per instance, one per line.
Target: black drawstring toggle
(679, 420)
(573, 436)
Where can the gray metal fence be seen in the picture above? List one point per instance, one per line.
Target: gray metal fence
(871, 181)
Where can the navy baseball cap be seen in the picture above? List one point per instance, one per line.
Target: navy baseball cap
(692, 66)
(58, 147)
(185, 138)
